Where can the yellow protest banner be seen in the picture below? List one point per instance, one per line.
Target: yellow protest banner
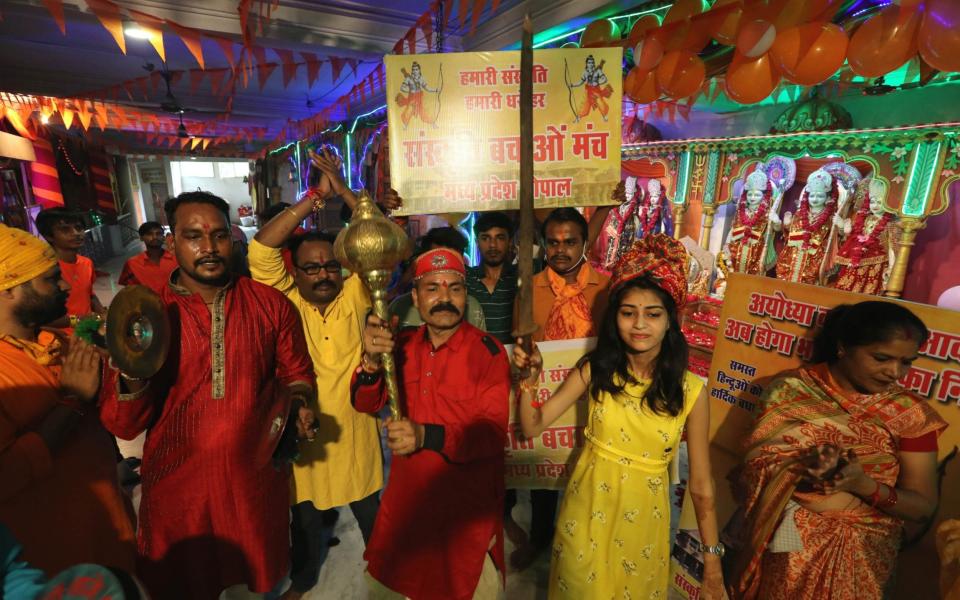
(545, 462)
(455, 129)
(767, 326)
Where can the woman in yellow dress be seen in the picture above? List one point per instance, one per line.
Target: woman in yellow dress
(613, 530)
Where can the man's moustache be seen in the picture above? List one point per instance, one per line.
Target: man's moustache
(323, 285)
(208, 260)
(444, 307)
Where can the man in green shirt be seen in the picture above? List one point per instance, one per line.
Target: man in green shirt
(494, 281)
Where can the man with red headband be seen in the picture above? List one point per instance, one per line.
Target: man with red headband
(438, 532)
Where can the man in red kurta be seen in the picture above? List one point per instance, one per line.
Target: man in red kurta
(154, 265)
(438, 532)
(215, 507)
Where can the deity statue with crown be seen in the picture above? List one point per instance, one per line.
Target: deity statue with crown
(644, 213)
(749, 246)
(805, 245)
(868, 251)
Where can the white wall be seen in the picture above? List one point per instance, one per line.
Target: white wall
(232, 189)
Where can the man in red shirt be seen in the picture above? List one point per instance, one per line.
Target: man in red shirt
(438, 533)
(215, 502)
(153, 267)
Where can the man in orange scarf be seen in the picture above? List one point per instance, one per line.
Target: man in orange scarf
(569, 296)
(58, 482)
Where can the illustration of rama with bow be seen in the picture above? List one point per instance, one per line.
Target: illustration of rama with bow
(411, 96)
(597, 87)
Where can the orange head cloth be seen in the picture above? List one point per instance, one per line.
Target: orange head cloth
(439, 260)
(660, 257)
(22, 257)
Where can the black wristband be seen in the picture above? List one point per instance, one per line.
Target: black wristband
(433, 437)
(365, 378)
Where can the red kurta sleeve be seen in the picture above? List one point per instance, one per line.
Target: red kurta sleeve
(293, 356)
(126, 275)
(124, 415)
(483, 435)
(368, 393)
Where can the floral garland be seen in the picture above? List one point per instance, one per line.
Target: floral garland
(866, 241)
(804, 213)
(648, 219)
(761, 211)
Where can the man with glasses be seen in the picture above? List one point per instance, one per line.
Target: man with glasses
(343, 465)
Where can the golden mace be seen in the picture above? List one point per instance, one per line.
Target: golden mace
(372, 246)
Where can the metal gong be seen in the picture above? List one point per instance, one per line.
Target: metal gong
(138, 331)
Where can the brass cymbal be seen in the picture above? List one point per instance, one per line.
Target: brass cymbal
(138, 331)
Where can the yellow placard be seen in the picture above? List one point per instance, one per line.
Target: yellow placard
(455, 129)
(767, 326)
(546, 461)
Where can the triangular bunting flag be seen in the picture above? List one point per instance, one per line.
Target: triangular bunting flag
(398, 47)
(142, 84)
(196, 76)
(205, 142)
(426, 26)
(154, 28)
(184, 142)
(313, 67)
(109, 15)
(464, 5)
(216, 80)
(227, 47)
(191, 39)
(84, 116)
(379, 74)
(67, 115)
(477, 9)
(336, 64)
(195, 142)
(264, 70)
(155, 79)
(411, 40)
(56, 11)
(352, 63)
(289, 66)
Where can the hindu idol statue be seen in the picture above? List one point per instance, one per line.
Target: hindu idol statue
(802, 258)
(749, 245)
(645, 212)
(867, 254)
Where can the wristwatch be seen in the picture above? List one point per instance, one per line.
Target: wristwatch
(719, 549)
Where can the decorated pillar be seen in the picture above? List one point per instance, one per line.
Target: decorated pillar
(710, 176)
(917, 204)
(680, 194)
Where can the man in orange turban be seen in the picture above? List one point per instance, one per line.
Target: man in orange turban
(58, 483)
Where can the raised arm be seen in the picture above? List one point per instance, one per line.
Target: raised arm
(534, 416)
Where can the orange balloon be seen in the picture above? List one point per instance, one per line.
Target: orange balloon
(750, 80)
(689, 34)
(684, 9)
(601, 32)
(648, 52)
(884, 42)
(790, 13)
(642, 28)
(755, 38)
(680, 73)
(726, 31)
(809, 54)
(940, 35)
(641, 86)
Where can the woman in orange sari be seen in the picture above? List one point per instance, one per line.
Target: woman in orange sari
(839, 459)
